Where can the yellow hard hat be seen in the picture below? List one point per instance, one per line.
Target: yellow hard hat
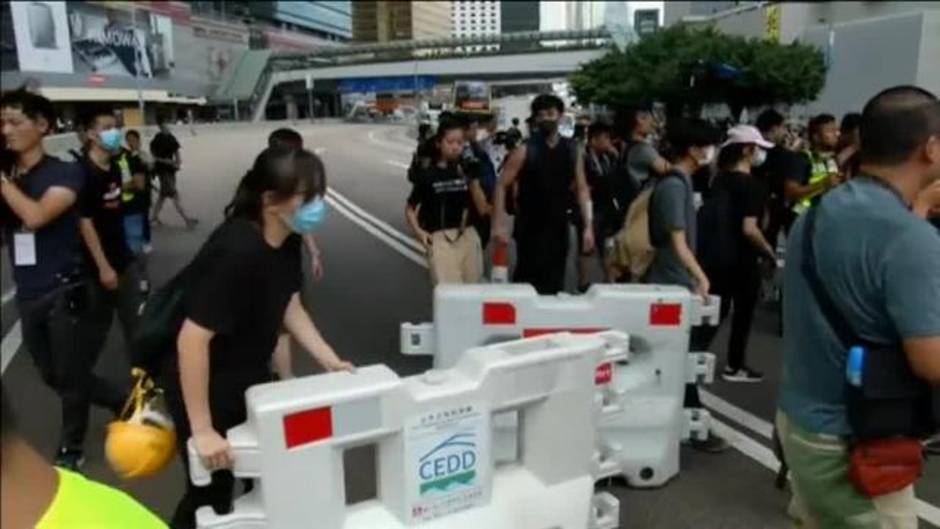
(142, 441)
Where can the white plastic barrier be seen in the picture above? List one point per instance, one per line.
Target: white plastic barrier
(432, 431)
(643, 420)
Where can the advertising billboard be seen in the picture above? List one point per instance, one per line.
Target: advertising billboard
(41, 31)
(118, 42)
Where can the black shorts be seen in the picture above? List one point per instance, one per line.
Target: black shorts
(167, 184)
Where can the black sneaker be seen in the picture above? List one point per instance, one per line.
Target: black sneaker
(742, 374)
(70, 459)
(712, 445)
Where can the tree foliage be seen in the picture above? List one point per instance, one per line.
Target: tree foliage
(685, 68)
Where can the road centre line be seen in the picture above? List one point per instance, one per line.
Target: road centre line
(405, 251)
(377, 222)
(11, 343)
(741, 442)
(388, 145)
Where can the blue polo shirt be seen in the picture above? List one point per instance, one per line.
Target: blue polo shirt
(881, 266)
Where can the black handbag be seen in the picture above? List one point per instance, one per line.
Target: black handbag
(891, 400)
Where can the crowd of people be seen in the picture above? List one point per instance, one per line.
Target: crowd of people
(715, 208)
(684, 203)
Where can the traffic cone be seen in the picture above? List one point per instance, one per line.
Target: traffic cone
(500, 271)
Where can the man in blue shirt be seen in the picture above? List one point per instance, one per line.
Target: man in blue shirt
(881, 267)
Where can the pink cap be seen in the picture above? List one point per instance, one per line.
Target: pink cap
(746, 134)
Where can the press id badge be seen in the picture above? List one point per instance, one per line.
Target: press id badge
(24, 249)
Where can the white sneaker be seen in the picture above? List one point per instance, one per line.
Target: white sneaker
(743, 374)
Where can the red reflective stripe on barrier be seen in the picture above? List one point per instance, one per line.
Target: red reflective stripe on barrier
(310, 426)
(603, 375)
(532, 333)
(665, 314)
(499, 314)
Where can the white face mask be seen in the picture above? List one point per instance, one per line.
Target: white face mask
(709, 156)
(482, 135)
(759, 157)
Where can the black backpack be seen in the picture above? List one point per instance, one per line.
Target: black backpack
(154, 338)
(717, 238)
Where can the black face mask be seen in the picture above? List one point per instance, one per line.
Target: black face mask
(547, 126)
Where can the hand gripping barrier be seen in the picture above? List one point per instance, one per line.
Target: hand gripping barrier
(435, 466)
(641, 421)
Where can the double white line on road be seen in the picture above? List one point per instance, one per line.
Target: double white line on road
(409, 248)
(14, 336)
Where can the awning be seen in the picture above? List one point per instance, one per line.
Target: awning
(129, 95)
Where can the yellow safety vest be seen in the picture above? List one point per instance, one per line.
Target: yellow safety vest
(821, 168)
(80, 503)
(127, 179)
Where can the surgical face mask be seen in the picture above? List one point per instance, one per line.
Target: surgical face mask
(708, 156)
(482, 135)
(547, 126)
(308, 216)
(759, 157)
(111, 139)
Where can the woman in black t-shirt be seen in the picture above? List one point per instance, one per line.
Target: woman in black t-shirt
(438, 211)
(731, 241)
(228, 335)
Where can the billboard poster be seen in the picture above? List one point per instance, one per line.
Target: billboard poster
(42, 36)
(108, 41)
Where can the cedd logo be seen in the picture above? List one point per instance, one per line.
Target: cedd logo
(450, 465)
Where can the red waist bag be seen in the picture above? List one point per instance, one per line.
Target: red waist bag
(882, 466)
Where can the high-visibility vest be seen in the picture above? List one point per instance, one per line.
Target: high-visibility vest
(127, 179)
(821, 168)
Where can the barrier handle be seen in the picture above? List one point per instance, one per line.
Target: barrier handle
(198, 473)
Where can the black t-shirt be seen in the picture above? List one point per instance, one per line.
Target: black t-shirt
(781, 165)
(748, 199)
(102, 203)
(165, 146)
(241, 292)
(442, 195)
(57, 243)
(600, 171)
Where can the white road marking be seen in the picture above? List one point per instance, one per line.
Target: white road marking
(396, 163)
(736, 414)
(10, 345)
(7, 296)
(746, 445)
(377, 222)
(740, 441)
(388, 145)
(927, 512)
(405, 251)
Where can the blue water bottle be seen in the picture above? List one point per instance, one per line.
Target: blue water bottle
(853, 368)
